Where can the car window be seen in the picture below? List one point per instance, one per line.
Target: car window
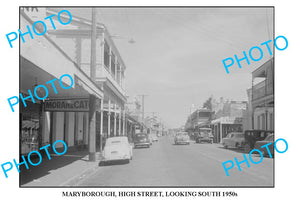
(270, 138)
(114, 142)
(140, 136)
(239, 135)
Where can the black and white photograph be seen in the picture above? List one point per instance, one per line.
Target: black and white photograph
(147, 96)
(149, 106)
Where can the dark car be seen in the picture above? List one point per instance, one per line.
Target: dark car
(251, 136)
(204, 135)
(268, 139)
(141, 140)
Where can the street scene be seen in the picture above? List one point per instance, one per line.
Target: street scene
(167, 164)
(146, 97)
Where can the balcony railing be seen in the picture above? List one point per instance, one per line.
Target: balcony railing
(261, 90)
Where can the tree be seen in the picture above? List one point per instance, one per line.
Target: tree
(208, 103)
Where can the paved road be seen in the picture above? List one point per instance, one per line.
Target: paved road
(166, 164)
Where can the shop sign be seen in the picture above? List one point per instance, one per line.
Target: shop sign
(77, 105)
(238, 120)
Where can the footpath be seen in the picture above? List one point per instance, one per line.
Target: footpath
(60, 171)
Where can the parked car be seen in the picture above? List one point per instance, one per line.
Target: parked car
(141, 140)
(234, 140)
(268, 139)
(182, 138)
(117, 148)
(251, 136)
(153, 138)
(204, 135)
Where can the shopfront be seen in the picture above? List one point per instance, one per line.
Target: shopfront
(67, 119)
(30, 127)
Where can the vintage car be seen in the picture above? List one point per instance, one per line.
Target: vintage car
(268, 139)
(153, 138)
(182, 138)
(234, 140)
(251, 136)
(141, 140)
(204, 135)
(117, 148)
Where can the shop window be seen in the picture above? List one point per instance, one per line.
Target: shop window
(263, 122)
(271, 121)
(30, 127)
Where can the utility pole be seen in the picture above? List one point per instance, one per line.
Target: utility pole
(143, 105)
(93, 45)
(92, 98)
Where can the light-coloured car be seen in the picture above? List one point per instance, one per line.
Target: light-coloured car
(234, 140)
(153, 138)
(117, 148)
(182, 138)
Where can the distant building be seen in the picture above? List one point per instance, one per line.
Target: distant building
(199, 118)
(228, 118)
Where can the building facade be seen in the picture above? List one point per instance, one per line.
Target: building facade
(93, 107)
(262, 97)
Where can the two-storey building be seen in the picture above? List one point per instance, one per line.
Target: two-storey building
(262, 97)
(67, 50)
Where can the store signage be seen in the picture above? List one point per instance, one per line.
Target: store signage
(62, 105)
(238, 120)
(38, 91)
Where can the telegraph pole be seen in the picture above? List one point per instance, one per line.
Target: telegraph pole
(92, 98)
(143, 105)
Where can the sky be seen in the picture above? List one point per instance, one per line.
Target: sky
(176, 60)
